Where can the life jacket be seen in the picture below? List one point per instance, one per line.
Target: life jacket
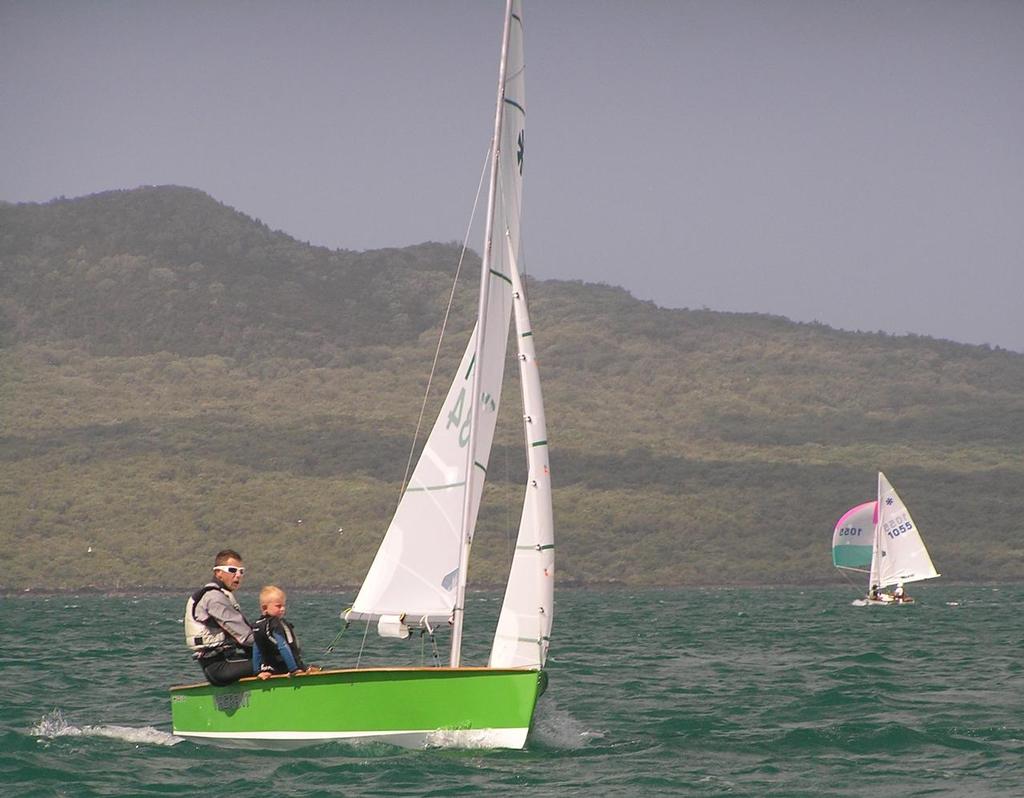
(206, 636)
(263, 636)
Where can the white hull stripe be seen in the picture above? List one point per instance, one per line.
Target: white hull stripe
(480, 738)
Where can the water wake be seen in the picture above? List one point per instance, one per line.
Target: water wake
(54, 724)
(556, 728)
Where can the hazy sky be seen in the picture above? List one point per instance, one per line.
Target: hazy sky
(858, 163)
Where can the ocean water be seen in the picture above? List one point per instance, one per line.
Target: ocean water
(738, 692)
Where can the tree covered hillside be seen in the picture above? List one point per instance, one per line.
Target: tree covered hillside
(176, 377)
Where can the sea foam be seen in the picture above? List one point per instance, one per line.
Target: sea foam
(54, 724)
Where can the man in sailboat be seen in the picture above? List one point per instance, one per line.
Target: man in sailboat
(215, 629)
(898, 595)
(876, 594)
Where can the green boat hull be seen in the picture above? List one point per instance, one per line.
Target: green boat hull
(409, 707)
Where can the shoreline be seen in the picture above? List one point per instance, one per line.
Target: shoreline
(142, 590)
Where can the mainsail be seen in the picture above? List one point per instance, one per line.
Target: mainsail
(524, 626)
(900, 553)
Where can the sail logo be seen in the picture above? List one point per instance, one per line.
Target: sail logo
(520, 151)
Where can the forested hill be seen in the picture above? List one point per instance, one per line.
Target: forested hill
(176, 377)
(169, 269)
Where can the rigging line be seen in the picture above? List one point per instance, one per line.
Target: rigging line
(330, 648)
(437, 654)
(850, 580)
(362, 645)
(444, 322)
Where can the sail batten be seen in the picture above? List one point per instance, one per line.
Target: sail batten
(449, 486)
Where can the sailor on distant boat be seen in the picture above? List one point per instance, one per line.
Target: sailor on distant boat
(215, 628)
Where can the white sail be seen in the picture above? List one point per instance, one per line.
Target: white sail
(899, 552)
(521, 637)
(419, 569)
(415, 570)
(524, 626)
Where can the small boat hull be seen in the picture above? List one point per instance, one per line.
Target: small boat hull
(408, 707)
(887, 601)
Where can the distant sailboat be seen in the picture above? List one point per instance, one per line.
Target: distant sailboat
(881, 539)
(418, 578)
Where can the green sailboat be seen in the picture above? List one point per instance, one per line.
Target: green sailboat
(418, 578)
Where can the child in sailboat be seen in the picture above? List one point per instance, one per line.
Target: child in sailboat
(276, 648)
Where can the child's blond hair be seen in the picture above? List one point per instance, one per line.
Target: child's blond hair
(268, 593)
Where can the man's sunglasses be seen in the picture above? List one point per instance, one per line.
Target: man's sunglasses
(231, 569)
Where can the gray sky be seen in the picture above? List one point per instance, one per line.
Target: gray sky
(855, 163)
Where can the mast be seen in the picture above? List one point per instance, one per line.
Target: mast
(458, 614)
(874, 575)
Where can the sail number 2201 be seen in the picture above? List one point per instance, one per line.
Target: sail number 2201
(897, 526)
